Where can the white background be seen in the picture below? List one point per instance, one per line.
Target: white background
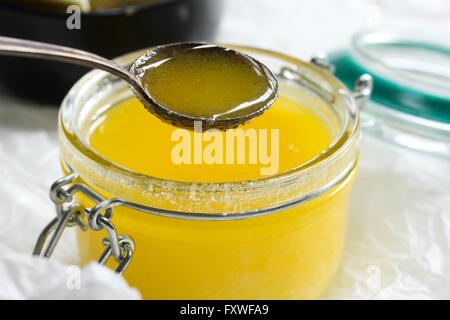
(399, 226)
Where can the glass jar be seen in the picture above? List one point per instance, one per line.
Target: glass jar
(279, 237)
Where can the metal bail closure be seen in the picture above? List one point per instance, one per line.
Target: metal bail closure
(69, 213)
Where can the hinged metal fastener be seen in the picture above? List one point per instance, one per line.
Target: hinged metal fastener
(69, 213)
(363, 90)
(363, 86)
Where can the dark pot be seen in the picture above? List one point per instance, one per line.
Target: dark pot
(109, 33)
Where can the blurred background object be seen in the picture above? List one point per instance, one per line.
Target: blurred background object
(108, 28)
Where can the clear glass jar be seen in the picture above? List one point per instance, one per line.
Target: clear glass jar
(280, 237)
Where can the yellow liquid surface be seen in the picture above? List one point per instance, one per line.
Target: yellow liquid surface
(133, 138)
(209, 81)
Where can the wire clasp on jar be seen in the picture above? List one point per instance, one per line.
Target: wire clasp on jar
(70, 214)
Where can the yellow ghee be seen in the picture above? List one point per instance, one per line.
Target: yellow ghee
(208, 81)
(292, 254)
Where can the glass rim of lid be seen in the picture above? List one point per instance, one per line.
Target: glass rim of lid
(411, 95)
(97, 91)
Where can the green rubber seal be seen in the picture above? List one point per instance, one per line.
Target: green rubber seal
(393, 94)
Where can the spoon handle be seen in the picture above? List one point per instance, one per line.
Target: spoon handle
(41, 50)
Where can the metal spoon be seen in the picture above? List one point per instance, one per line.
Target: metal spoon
(33, 49)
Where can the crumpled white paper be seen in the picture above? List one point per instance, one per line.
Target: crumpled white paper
(27, 277)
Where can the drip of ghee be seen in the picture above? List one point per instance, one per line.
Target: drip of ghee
(131, 137)
(209, 82)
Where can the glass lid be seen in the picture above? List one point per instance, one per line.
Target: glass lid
(411, 73)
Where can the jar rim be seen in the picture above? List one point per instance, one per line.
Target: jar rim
(346, 139)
